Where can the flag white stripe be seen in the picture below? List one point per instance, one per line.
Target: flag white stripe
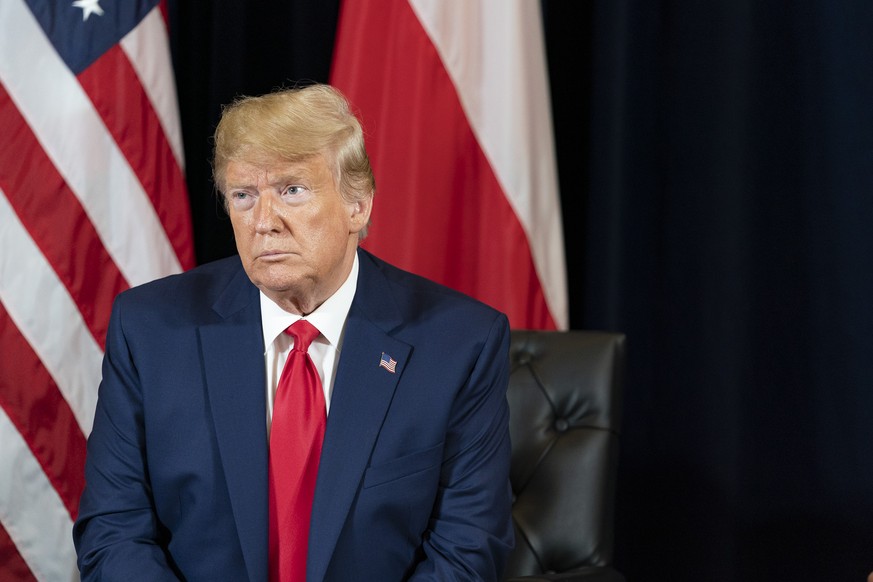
(148, 48)
(493, 51)
(56, 107)
(32, 512)
(48, 318)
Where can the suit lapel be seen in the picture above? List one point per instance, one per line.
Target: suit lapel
(232, 353)
(361, 396)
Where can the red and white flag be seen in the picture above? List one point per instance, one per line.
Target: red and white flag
(92, 201)
(454, 99)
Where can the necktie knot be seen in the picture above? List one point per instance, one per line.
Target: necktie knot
(303, 333)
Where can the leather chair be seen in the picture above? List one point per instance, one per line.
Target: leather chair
(565, 393)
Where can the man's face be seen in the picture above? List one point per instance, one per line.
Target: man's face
(295, 234)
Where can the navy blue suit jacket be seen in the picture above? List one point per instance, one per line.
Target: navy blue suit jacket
(413, 480)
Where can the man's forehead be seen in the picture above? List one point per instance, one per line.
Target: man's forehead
(242, 172)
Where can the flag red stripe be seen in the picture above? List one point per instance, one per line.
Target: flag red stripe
(56, 221)
(165, 12)
(12, 565)
(114, 88)
(33, 403)
(429, 163)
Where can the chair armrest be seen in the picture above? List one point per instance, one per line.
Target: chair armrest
(586, 574)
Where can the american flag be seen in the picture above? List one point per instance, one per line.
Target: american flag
(388, 363)
(92, 201)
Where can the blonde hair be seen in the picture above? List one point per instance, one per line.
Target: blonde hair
(291, 125)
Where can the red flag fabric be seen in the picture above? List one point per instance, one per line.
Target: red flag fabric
(454, 99)
(92, 201)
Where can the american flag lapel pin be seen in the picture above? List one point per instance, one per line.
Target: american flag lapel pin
(388, 363)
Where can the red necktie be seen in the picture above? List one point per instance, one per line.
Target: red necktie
(295, 448)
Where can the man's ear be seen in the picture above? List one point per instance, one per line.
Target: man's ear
(361, 213)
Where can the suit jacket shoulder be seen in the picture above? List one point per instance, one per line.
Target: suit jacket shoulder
(422, 302)
(191, 294)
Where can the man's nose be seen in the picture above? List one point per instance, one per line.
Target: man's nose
(266, 215)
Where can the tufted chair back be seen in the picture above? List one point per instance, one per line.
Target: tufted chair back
(564, 396)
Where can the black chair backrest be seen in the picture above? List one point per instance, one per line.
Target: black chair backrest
(565, 393)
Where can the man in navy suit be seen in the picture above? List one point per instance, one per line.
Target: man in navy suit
(412, 482)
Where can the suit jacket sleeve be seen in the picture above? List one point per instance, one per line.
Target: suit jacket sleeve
(117, 533)
(470, 533)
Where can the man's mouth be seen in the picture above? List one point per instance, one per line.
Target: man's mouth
(273, 254)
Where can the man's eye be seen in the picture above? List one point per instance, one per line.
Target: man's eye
(294, 190)
(241, 200)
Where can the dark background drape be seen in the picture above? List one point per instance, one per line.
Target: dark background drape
(716, 171)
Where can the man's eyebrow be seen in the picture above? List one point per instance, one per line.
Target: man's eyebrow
(231, 186)
(295, 176)
(291, 177)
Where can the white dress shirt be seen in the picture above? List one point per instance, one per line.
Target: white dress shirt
(329, 319)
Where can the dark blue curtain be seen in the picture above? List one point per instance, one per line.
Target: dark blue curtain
(716, 172)
(729, 233)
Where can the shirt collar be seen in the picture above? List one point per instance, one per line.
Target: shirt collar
(329, 318)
